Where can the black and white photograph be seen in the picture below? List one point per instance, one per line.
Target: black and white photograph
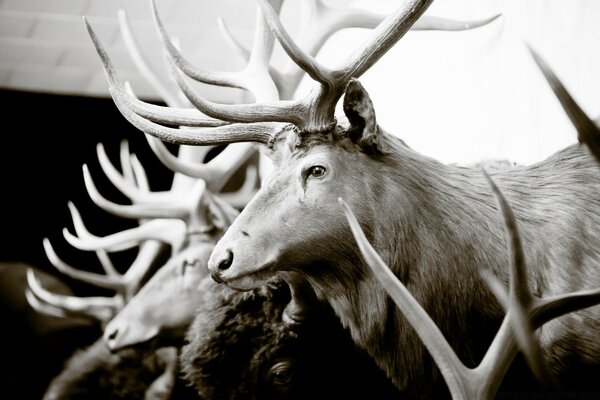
(300, 199)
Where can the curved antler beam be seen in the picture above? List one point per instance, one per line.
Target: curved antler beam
(134, 211)
(216, 172)
(170, 231)
(101, 308)
(520, 299)
(104, 281)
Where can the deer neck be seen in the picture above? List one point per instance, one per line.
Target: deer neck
(427, 229)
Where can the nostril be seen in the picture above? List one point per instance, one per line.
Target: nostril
(113, 334)
(226, 262)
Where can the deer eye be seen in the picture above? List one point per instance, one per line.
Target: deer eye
(281, 373)
(317, 171)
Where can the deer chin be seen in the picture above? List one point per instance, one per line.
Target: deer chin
(248, 280)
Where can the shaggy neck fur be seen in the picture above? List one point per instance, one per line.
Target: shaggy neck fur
(437, 227)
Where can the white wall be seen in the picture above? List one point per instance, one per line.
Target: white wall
(466, 96)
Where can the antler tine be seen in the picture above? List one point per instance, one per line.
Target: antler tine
(100, 308)
(450, 366)
(104, 281)
(430, 23)
(261, 132)
(121, 182)
(587, 130)
(269, 111)
(254, 77)
(233, 42)
(318, 108)
(387, 33)
(182, 206)
(141, 178)
(227, 79)
(252, 132)
(324, 21)
(519, 300)
(165, 115)
(137, 195)
(312, 67)
(134, 211)
(81, 230)
(170, 231)
(391, 29)
(482, 381)
(42, 307)
(216, 172)
(525, 312)
(124, 158)
(125, 285)
(173, 99)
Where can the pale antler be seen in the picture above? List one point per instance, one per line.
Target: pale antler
(125, 286)
(254, 78)
(219, 171)
(587, 130)
(482, 381)
(170, 231)
(171, 97)
(519, 300)
(322, 21)
(98, 307)
(315, 112)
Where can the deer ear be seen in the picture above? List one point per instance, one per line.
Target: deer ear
(361, 115)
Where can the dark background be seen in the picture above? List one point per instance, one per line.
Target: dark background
(46, 139)
(50, 137)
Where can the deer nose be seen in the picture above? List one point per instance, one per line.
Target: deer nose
(225, 262)
(220, 264)
(110, 338)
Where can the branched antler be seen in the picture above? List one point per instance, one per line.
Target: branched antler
(217, 172)
(525, 312)
(322, 21)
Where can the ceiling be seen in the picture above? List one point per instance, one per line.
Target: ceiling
(482, 85)
(44, 45)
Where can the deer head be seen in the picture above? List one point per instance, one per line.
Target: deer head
(434, 224)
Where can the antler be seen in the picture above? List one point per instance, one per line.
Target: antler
(525, 312)
(124, 285)
(522, 306)
(218, 171)
(587, 130)
(315, 112)
(42, 300)
(321, 21)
